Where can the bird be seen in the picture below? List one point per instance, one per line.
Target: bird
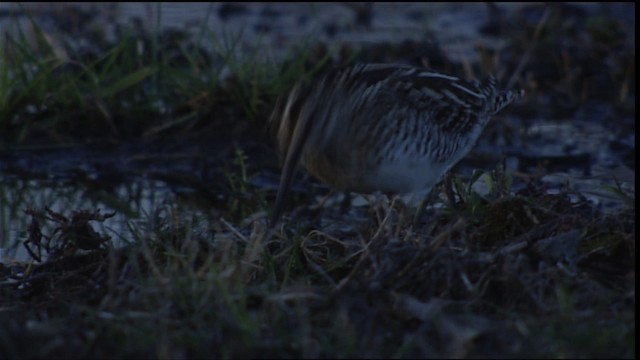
(372, 127)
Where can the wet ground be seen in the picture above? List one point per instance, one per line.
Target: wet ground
(570, 142)
(576, 144)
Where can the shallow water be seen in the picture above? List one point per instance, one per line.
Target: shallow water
(586, 152)
(576, 158)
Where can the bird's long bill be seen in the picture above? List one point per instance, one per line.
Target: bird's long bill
(283, 189)
(294, 151)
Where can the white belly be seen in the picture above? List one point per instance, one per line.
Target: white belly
(407, 176)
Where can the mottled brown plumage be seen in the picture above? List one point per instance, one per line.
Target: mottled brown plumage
(377, 127)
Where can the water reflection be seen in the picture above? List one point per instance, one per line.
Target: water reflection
(130, 201)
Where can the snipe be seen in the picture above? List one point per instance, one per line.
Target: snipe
(378, 127)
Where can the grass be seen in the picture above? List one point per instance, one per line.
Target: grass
(56, 92)
(189, 287)
(513, 271)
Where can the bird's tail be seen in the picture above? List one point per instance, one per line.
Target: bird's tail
(505, 98)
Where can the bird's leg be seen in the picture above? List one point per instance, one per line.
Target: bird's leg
(345, 204)
(420, 210)
(386, 202)
(377, 200)
(405, 211)
(324, 199)
(447, 186)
